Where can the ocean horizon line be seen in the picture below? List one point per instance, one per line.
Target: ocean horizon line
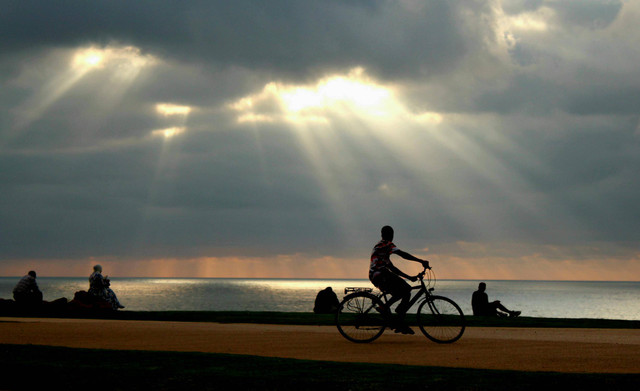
(323, 279)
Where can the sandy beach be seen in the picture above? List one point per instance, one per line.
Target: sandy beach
(534, 349)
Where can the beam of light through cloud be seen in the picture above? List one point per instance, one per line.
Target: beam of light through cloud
(120, 64)
(168, 157)
(169, 109)
(169, 132)
(316, 114)
(359, 112)
(529, 21)
(89, 58)
(352, 89)
(177, 114)
(312, 103)
(34, 108)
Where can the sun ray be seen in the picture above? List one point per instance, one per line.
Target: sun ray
(170, 109)
(169, 132)
(361, 116)
(121, 65)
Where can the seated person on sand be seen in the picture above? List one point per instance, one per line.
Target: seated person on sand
(99, 287)
(326, 302)
(482, 307)
(26, 292)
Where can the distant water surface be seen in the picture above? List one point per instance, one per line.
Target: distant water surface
(552, 299)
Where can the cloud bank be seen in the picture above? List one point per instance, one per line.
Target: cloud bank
(486, 133)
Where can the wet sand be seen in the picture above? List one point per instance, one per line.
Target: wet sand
(533, 349)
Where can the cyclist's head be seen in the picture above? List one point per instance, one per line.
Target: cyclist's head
(387, 233)
(482, 287)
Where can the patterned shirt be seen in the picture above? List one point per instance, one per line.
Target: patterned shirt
(380, 257)
(26, 284)
(97, 285)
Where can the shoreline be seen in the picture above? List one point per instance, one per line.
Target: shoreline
(565, 350)
(304, 318)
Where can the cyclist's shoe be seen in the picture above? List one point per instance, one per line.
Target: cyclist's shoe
(408, 330)
(514, 314)
(404, 330)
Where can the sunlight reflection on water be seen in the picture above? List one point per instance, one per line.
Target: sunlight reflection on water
(571, 299)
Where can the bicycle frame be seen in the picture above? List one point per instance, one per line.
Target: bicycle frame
(422, 290)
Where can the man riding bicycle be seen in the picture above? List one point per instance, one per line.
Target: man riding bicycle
(388, 278)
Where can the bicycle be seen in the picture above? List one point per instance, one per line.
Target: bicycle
(363, 316)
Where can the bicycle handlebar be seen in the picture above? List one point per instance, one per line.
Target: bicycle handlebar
(428, 282)
(423, 272)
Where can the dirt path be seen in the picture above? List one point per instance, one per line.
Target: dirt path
(561, 350)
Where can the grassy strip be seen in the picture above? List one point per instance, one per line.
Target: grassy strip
(43, 366)
(308, 318)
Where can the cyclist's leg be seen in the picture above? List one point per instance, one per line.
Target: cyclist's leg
(379, 280)
(396, 286)
(400, 290)
(383, 280)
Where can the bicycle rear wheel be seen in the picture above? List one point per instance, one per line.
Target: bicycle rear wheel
(358, 318)
(441, 320)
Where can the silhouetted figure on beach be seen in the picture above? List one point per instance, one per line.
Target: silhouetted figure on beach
(481, 306)
(26, 293)
(389, 279)
(326, 302)
(99, 286)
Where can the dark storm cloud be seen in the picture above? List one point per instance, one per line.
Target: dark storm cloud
(585, 13)
(539, 141)
(286, 37)
(588, 165)
(593, 14)
(139, 201)
(541, 96)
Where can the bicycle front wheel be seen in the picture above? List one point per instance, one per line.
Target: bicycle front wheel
(359, 318)
(441, 320)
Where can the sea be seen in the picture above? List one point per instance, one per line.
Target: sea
(547, 299)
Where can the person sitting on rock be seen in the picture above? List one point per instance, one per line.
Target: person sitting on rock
(326, 302)
(481, 306)
(26, 292)
(99, 286)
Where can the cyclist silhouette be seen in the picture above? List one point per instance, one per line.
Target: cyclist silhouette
(389, 279)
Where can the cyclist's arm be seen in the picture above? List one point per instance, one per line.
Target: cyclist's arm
(399, 272)
(410, 257)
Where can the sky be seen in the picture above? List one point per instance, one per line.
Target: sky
(500, 139)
